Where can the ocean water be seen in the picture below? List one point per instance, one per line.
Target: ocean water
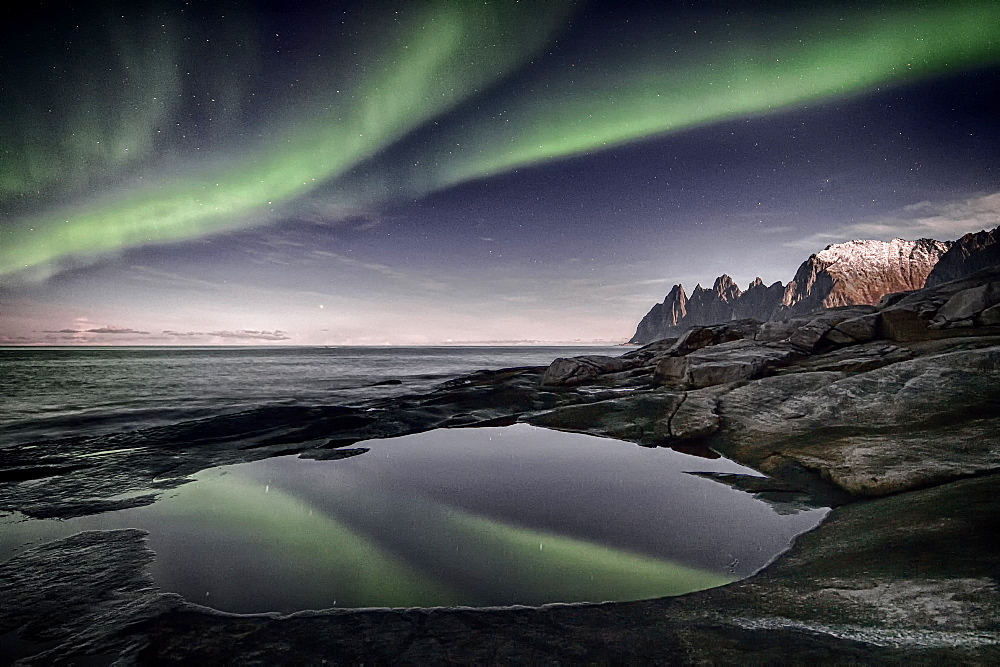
(59, 392)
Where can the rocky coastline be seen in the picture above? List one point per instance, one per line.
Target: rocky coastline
(889, 413)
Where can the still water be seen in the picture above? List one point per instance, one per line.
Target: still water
(490, 516)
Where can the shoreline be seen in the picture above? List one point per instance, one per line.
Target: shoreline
(877, 411)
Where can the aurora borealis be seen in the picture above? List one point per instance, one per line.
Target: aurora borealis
(358, 173)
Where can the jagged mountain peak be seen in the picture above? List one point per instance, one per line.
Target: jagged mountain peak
(972, 252)
(870, 250)
(850, 273)
(675, 291)
(860, 272)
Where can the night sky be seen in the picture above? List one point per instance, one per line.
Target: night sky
(466, 171)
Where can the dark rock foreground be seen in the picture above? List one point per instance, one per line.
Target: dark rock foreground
(889, 413)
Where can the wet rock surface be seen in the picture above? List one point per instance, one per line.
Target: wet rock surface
(925, 314)
(578, 370)
(720, 364)
(875, 411)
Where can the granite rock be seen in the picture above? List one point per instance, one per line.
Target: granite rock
(643, 419)
(967, 304)
(971, 253)
(732, 361)
(568, 372)
(894, 428)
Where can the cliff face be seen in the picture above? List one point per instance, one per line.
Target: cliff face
(666, 316)
(706, 306)
(723, 302)
(971, 253)
(843, 274)
(859, 272)
(759, 301)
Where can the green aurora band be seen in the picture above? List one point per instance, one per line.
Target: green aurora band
(420, 69)
(319, 557)
(432, 57)
(672, 85)
(317, 542)
(327, 547)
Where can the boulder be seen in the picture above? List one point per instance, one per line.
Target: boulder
(711, 373)
(967, 304)
(906, 324)
(855, 330)
(917, 317)
(779, 330)
(694, 339)
(891, 299)
(854, 358)
(990, 317)
(655, 349)
(819, 331)
(700, 337)
(808, 337)
(903, 426)
(698, 416)
(572, 371)
(844, 325)
(671, 370)
(724, 363)
(643, 419)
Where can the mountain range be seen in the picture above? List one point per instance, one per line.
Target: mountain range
(857, 272)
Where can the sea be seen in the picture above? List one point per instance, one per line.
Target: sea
(56, 392)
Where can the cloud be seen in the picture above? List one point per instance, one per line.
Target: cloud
(383, 269)
(775, 229)
(101, 330)
(115, 330)
(240, 334)
(158, 277)
(941, 221)
(262, 257)
(251, 334)
(324, 213)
